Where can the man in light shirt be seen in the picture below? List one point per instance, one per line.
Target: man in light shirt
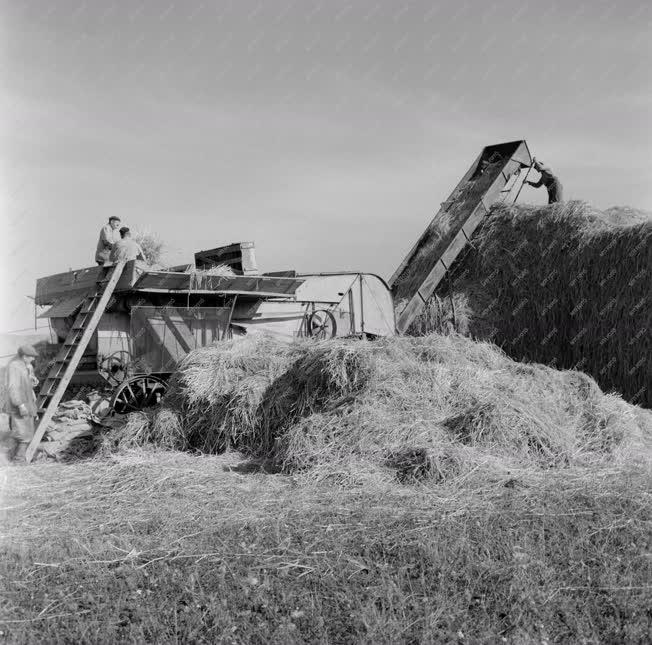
(109, 235)
(126, 248)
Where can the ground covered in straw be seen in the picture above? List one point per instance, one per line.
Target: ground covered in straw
(566, 285)
(166, 547)
(410, 490)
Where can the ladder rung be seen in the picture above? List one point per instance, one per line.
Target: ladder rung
(71, 354)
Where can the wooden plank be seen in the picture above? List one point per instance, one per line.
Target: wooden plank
(291, 273)
(449, 235)
(183, 282)
(522, 154)
(64, 307)
(164, 280)
(180, 268)
(80, 282)
(443, 208)
(63, 285)
(221, 292)
(408, 314)
(448, 220)
(74, 361)
(240, 256)
(449, 256)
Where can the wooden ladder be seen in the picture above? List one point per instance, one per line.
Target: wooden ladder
(67, 360)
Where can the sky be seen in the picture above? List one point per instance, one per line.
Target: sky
(326, 132)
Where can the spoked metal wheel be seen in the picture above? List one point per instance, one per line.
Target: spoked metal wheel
(321, 324)
(114, 367)
(137, 393)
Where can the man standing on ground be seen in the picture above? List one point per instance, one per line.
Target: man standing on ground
(109, 235)
(21, 401)
(547, 179)
(126, 248)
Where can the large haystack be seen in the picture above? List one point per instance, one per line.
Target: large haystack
(437, 406)
(564, 285)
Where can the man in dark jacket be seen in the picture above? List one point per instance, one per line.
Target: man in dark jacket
(547, 179)
(21, 401)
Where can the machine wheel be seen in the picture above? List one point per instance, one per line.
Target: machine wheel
(114, 367)
(321, 324)
(137, 393)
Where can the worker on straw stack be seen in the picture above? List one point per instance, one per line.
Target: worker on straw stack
(126, 248)
(547, 179)
(109, 235)
(21, 401)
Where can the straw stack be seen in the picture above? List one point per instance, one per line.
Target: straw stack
(564, 285)
(446, 403)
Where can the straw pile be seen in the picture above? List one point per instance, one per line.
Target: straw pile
(151, 244)
(564, 285)
(72, 432)
(198, 276)
(437, 406)
(165, 547)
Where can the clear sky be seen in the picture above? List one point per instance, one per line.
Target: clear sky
(327, 132)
